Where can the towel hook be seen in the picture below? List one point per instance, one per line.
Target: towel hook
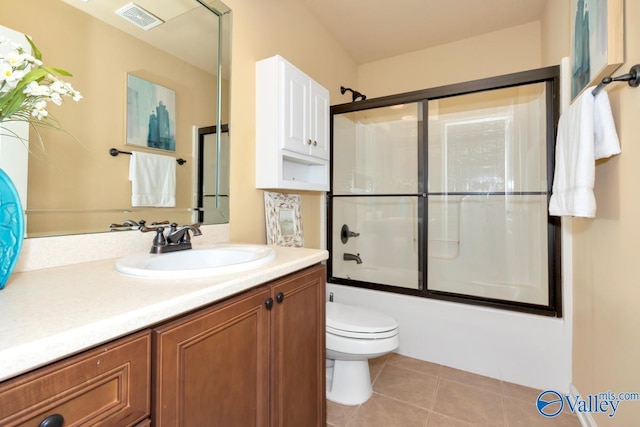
(632, 77)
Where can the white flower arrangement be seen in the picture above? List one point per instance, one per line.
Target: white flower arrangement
(27, 86)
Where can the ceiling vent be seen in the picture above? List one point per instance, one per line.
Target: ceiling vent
(138, 16)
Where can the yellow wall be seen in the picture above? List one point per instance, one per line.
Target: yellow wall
(262, 29)
(606, 348)
(501, 52)
(606, 288)
(556, 38)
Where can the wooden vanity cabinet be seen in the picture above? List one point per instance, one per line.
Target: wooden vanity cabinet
(106, 386)
(254, 360)
(298, 350)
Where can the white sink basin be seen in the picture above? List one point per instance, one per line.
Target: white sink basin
(201, 262)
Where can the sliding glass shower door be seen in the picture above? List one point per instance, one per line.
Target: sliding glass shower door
(443, 193)
(487, 198)
(375, 200)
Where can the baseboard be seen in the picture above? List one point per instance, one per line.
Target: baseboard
(585, 418)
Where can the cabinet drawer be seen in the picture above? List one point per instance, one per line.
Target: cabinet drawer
(106, 386)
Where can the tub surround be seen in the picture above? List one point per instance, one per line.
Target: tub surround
(52, 313)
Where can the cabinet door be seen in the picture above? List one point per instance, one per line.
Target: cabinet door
(107, 386)
(211, 367)
(298, 359)
(319, 121)
(295, 120)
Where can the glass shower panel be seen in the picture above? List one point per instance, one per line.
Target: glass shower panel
(375, 151)
(491, 141)
(383, 244)
(487, 195)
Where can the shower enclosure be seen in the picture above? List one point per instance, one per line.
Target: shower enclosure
(443, 193)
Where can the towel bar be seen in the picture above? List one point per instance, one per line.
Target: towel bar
(114, 152)
(633, 77)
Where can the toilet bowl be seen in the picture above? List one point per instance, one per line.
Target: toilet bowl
(353, 336)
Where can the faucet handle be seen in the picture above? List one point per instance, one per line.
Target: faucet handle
(159, 240)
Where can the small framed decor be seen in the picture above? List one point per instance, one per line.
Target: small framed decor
(597, 41)
(151, 114)
(283, 219)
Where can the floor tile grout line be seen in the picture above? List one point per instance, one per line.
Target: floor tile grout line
(395, 399)
(484, 389)
(505, 416)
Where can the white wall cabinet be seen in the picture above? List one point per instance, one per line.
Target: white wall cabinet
(292, 128)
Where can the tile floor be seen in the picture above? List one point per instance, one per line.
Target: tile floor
(409, 392)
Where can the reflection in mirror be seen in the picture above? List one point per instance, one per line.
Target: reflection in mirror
(213, 175)
(74, 185)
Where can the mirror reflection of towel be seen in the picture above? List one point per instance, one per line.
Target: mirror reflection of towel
(153, 180)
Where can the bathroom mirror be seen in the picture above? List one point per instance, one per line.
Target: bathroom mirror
(74, 185)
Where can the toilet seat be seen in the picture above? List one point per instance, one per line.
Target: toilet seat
(357, 322)
(362, 335)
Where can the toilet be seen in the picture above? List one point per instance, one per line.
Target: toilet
(353, 336)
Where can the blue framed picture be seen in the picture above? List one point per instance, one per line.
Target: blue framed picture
(597, 47)
(151, 114)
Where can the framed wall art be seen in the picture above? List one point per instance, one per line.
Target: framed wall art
(597, 41)
(151, 114)
(283, 219)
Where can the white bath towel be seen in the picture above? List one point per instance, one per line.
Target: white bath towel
(586, 132)
(153, 180)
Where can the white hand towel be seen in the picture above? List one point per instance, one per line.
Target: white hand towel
(606, 141)
(586, 132)
(153, 180)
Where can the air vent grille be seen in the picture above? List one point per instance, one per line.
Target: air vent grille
(138, 16)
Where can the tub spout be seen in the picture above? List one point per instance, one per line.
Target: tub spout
(352, 257)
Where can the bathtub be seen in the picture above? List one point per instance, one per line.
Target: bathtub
(404, 278)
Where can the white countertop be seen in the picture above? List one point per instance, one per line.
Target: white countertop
(52, 313)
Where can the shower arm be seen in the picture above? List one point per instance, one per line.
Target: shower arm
(355, 95)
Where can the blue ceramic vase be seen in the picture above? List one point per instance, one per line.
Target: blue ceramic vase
(11, 227)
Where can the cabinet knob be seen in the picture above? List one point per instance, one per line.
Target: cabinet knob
(315, 143)
(55, 420)
(280, 297)
(309, 142)
(268, 303)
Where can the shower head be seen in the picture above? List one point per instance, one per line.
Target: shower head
(356, 96)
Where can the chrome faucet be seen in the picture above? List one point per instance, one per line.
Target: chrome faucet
(352, 257)
(177, 238)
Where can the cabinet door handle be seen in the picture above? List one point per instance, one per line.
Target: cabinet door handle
(280, 297)
(315, 143)
(268, 303)
(309, 142)
(55, 420)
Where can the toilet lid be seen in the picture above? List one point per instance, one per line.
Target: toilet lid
(348, 320)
